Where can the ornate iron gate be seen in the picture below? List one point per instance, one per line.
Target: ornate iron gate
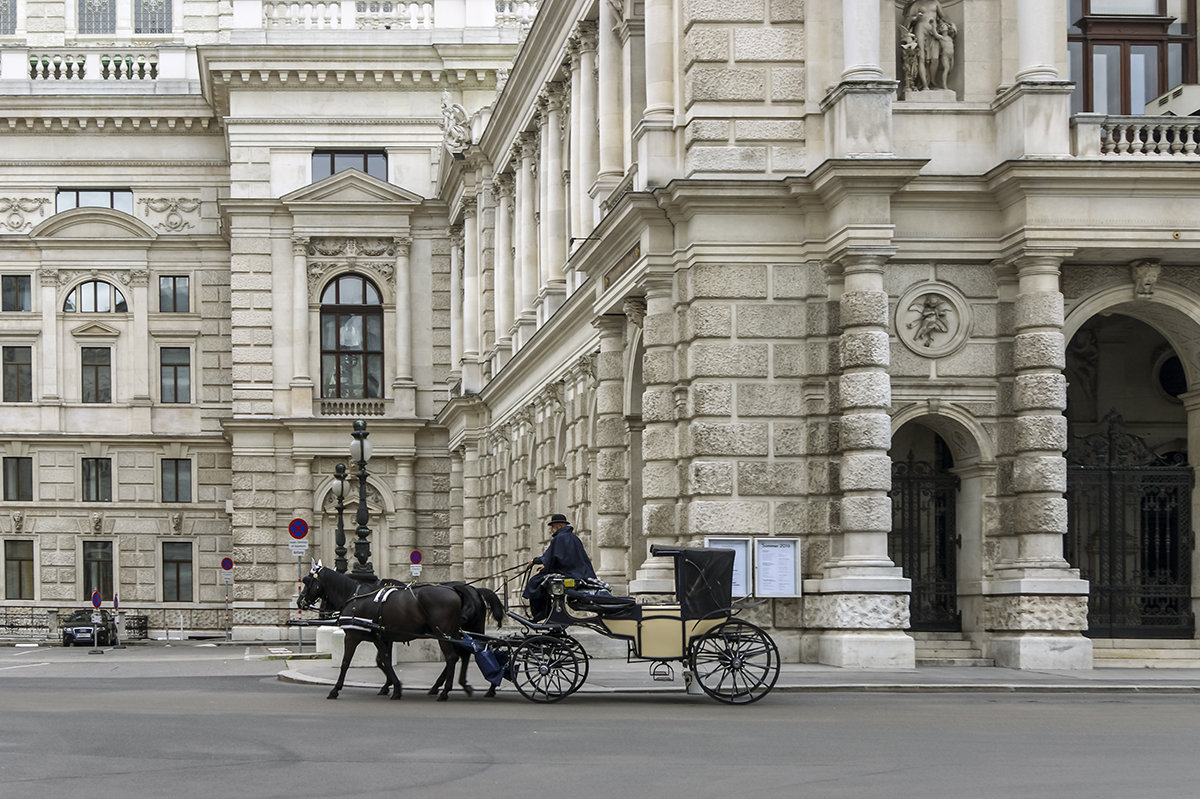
(1130, 534)
(924, 541)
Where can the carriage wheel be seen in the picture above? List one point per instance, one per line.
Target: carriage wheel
(736, 663)
(547, 668)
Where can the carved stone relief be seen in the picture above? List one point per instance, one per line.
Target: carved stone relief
(932, 319)
(13, 212)
(173, 212)
(927, 45)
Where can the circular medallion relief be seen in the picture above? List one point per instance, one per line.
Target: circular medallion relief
(932, 319)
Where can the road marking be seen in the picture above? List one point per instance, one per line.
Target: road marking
(22, 666)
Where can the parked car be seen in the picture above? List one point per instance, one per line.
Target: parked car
(77, 628)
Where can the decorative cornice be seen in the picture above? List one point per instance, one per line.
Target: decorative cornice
(72, 123)
(173, 210)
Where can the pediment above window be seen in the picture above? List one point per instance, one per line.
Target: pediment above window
(93, 223)
(351, 188)
(95, 330)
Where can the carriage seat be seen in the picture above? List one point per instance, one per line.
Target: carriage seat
(588, 599)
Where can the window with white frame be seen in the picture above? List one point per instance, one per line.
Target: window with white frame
(96, 374)
(18, 374)
(16, 291)
(95, 296)
(98, 569)
(97, 480)
(18, 569)
(175, 374)
(151, 16)
(18, 479)
(8, 17)
(176, 480)
(177, 571)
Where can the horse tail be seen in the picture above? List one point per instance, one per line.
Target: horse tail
(472, 605)
(494, 604)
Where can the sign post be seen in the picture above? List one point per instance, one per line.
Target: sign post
(298, 529)
(227, 578)
(96, 602)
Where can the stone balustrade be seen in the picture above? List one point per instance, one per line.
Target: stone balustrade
(84, 64)
(347, 14)
(1135, 136)
(353, 407)
(515, 12)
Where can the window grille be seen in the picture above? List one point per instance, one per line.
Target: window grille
(152, 16)
(8, 17)
(97, 16)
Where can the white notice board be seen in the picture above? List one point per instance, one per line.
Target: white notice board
(741, 560)
(776, 567)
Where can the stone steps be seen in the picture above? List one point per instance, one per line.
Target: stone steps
(948, 649)
(1145, 653)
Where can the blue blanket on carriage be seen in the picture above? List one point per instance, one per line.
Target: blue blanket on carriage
(492, 663)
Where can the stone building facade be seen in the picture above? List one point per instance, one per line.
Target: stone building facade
(906, 282)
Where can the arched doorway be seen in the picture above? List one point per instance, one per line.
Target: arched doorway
(924, 539)
(1129, 482)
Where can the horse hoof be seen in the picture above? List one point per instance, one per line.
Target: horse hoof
(442, 697)
(491, 694)
(396, 696)
(384, 691)
(468, 690)
(433, 691)
(332, 695)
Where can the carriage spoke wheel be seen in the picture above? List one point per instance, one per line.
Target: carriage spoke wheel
(547, 668)
(736, 663)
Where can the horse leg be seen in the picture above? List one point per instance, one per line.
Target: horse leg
(383, 660)
(462, 675)
(351, 643)
(446, 679)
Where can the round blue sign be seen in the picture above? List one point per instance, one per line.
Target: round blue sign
(415, 556)
(298, 528)
(226, 563)
(96, 599)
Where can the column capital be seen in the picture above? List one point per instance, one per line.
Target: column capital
(612, 325)
(469, 206)
(529, 144)
(587, 33)
(634, 308)
(300, 245)
(552, 96)
(403, 245)
(503, 184)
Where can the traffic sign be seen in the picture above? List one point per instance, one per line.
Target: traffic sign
(227, 577)
(298, 528)
(298, 548)
(414, 557)
(96, 599)
(226, 564)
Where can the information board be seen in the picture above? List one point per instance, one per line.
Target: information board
(776, 567)
(741, 560)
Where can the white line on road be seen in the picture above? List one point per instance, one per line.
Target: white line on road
(22, 666)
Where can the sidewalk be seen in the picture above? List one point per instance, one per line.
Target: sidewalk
(615, 676)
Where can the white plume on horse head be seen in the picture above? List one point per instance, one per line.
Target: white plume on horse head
(316, 567)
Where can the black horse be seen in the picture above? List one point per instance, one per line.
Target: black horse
(477, 603)
(385, 614)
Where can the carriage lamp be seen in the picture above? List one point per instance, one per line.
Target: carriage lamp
(339, 493)
(360, 453)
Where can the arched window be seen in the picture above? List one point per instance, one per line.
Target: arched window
(351, 339)
(95, 296)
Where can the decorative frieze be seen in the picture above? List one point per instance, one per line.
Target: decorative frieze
(14, 210)
(173, 213)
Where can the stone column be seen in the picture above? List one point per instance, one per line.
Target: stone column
(574, 199)
(404, 493)
(48, 360)
(503, 296)
(860, 40)
(545, 271)
(654, 138)
(528, 252)
(608, 104)
(456, 304)
(660, 454)
(404, 388)
(863, 602)
(472, 380)
(300, 325)
(1036, 604)
(455, 513)
(589, 144)
(473, 548)
(1037, 28)
(612, 473)
(554, 208)
(143, 353)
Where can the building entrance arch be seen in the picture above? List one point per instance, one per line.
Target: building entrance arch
(1131, 493)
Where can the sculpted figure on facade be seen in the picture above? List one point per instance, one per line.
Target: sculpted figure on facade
(456, 125)
(932, 318)
(1145, 276)
(927, 46)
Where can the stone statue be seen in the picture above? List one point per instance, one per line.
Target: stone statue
(1145, 276)
(18, 520)
(927, 46)
(932, 318)
(97, 522)
(456, 125)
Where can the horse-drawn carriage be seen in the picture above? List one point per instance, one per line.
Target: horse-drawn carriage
(731, 660)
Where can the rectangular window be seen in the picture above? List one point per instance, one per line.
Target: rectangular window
(152, 16)
(98, 569)
(175, 374)
(1130, 7)
(177, 571)
(18, 479)
(18, 374)
(97, 480)
(18, 570)
(16, 291)
(173, 294)
(119, 199)
(97, 16)
(331, 162)
(8, 17)
(176, 480)
(96, 370)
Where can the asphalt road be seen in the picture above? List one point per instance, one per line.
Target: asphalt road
(187, 722)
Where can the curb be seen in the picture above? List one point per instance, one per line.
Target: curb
(298, 677)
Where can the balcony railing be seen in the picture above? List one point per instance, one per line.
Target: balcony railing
(314, 15)
(353, 407)
(88, 64)
(1135, 136)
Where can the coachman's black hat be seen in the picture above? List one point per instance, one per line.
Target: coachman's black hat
(558, 518)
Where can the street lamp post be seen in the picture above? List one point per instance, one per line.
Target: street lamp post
(339, 491)
(360, 453)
